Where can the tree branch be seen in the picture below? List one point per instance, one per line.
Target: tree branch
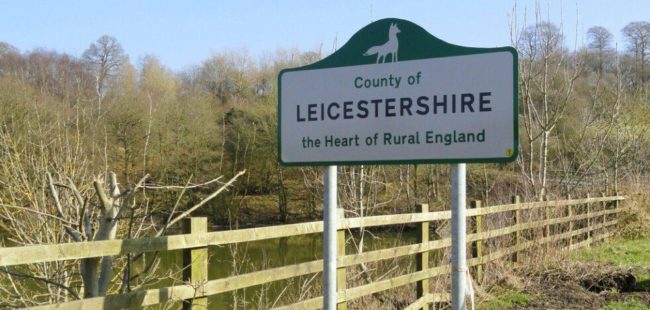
(184, 187)
(115, 190)
(55, 195)
(99, 189)
(171, 214)
(204, 201)
(46, 280)
(37, 212)
(129, 195)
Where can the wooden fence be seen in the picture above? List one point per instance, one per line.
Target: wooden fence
(572, 223)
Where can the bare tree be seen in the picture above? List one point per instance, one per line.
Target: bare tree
(97, 272)
(7, 48)
(48, 197)
(9, 55)
(104, 58)
(600, 41)
(546, 85)
(225, 74)
(587, 140)
(638, 37)
(542, 40)
(27, 213)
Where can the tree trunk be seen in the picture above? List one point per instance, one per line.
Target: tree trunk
(544, 165)
(96, 272)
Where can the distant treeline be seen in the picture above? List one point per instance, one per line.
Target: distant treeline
(583, 120)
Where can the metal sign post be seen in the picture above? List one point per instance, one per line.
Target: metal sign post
(329, 238)
(458, 234)
(395, 94)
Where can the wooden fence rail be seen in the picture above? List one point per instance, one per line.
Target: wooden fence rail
(596, 222)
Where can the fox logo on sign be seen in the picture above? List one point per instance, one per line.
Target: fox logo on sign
(388, 48)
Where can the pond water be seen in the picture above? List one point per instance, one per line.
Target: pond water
(230, 260)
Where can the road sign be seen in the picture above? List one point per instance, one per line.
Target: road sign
(396, 94)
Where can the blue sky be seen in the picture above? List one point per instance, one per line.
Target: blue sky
(183, 33)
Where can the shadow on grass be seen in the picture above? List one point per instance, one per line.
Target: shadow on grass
(643, 285)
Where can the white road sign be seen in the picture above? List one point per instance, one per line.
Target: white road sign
(457, 108)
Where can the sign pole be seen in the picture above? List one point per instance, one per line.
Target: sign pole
(458, 234)
(329, 238)
(364, 104)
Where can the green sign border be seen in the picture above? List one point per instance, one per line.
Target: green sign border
(415, 43)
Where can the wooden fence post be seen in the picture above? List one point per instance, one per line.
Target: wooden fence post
(570, 222)
(477, 246)
(516, 200)
(604, 207)
(422, 259)
(195, 263)
(616, 207)
(547, 216)
(341, 278)
(589, 231)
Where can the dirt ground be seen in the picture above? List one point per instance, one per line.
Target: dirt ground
(581, 286)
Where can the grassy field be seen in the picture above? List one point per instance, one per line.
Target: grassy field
(629, 254)
(505, 299)
(633, 255)
(569, 283)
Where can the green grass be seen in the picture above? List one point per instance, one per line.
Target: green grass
(624, 253)
(506, 299)
(630, 304)
(634, 254)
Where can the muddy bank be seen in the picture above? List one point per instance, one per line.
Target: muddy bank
(581, 286)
